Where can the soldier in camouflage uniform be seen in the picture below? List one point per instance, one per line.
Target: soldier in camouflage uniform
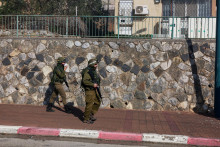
(90, 81)
(57, 80)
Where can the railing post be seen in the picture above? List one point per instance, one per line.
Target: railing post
(172, 20)
(217, 65)
(118, 27)
(76, 25)
(67, 26)
(17, 26)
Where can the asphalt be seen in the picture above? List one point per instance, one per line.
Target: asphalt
(136, 122)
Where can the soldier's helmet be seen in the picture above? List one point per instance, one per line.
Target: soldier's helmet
(92, 62)
(61, 60)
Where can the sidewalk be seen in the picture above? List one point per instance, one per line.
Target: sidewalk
(112, 124)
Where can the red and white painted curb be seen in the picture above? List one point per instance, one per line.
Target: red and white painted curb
(94, 134)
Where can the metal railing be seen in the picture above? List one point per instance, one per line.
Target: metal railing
(107, 26)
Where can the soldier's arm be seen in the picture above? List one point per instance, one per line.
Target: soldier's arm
(59, 73)
(87, 81)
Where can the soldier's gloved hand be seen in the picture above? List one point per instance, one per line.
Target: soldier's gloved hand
(65, 66)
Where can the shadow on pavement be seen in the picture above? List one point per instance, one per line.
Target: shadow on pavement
(73, 110)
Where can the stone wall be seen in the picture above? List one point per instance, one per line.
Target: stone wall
(173, 75)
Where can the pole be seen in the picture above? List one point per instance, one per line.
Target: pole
(217, 65)
(76, 10)
(172, 19)
(107, 17)
(118, 27)
(17, 27)
(76, 20)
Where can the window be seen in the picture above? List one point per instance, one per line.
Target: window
(204, 8)
(191, 8)
(183, 8)
(166, 4)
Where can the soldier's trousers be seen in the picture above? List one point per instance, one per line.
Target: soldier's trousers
(92, 104)
(58, 89)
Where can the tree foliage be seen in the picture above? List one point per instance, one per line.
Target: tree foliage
(52, 7)
(12, 7)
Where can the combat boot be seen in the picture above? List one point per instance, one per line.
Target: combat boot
(49, 108)
(92, 118)
(67, 109)
(88, 121)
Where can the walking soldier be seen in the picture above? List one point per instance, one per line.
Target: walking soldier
(91, 82)
(57, 81)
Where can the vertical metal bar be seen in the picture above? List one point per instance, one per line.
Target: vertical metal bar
(8, 22)
(60, 24)
(35, 24)
(145, 26)
(96, 33)
(58, 29)
(217, 65)
(118, 27)
(196, 28)
(25, 24)
(91, 25)
(5, 22)
(2, 23)
(176, 28)
(82, 18)
(11, 22)
(17, 27)
(103, 28)
(71, 27)
(159, 26)
(172, 19)
(212, 28)
(149, 25)
(136, 26)
(29, 22)
(107, 29)
(67, 26)
(105, 21)
(76, 26)
(42, 23)
(152, 25)
(142, 27)
(86, 26)
(48, 24)
(53, 23)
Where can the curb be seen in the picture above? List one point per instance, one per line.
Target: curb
(94, 134)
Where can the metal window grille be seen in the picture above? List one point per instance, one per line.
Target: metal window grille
(204, 8)
(125, 9)
(184, 8)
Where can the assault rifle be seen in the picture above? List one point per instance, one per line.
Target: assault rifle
(67, 85)
(98, 93)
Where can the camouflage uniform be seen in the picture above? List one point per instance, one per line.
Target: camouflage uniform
(57, 80)
(89, 78)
